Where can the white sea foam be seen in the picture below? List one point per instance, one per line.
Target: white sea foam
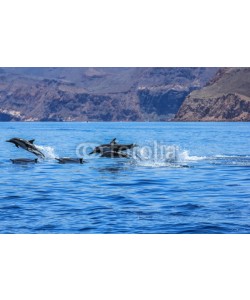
(48, 151)
(231, 156)
(185, 156)
(164, 156)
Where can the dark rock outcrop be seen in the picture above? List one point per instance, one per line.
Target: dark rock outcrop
(161, 103)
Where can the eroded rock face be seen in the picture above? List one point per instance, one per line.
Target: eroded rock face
(163, 104)
(225, 98)
(96, 94)
(230, 107)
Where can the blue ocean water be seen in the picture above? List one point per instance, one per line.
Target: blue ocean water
(200, 183)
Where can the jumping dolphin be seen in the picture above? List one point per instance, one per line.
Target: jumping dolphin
(68, 160)
(104, 147)
(24, 161)
(112, 146)
(26, 145)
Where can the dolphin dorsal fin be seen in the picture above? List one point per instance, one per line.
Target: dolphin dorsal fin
(31, 141)
(113, 141)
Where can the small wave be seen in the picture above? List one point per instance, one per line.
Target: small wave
(155, 164)
(233, 160)
(11, 207)
(190, 206)
(232, 156)
(175, 157)
(185, 156)
(48, 151)
(168, 156)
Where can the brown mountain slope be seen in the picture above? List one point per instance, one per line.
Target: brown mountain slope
(96, 94)
(225, 98)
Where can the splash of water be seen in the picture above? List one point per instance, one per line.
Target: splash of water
(48, 151)
(185, 156)
(168, 156)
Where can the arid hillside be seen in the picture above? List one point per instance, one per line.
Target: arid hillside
(225, 98)
(97, 94)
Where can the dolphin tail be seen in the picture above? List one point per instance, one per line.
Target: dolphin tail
(40, 154)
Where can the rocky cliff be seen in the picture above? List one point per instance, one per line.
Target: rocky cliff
(97, 94)
(225, 98)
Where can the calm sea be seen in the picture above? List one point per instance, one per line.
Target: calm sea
(182, 178)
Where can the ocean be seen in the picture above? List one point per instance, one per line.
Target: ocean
(181, 178)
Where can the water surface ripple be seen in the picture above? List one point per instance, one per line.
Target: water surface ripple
(205, 188)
